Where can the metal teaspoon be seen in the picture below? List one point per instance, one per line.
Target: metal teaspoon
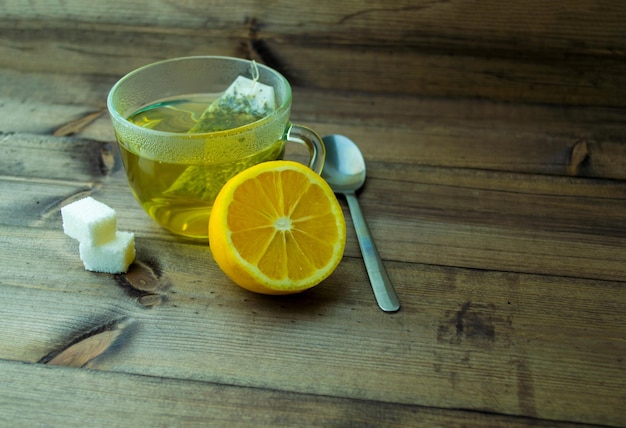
(344, 170)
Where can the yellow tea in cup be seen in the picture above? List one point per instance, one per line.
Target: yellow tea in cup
(179, 194)
(178, 151)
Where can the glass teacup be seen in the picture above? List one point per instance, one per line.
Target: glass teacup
(176, 174)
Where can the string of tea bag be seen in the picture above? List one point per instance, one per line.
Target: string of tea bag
(244, 101)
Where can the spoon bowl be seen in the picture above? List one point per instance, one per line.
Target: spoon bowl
(344, 168)
(344, 171)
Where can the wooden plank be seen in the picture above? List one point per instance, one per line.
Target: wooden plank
(483, 322)
(580, 81)
(473, 228)
(497, 342)
(424, 131)
(575, 80)
(469, 218)
(500, 223)
(502, 145)
(77, 51)
(488, 25)
(528, 51)
(78, 160)
(80, 397)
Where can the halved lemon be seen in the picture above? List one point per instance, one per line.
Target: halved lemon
(277, 228)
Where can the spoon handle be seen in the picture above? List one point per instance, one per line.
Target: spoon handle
(383, 290)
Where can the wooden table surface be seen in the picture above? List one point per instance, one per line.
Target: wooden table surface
(501, 219)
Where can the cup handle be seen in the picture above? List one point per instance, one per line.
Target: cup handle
(303, 135)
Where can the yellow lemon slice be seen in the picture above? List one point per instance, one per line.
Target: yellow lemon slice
(277, 228)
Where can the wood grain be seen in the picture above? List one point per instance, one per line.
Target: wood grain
(519, 25)
(475, 134)
(494, 140)
(525, 51)
(503, 334)
(470, 218)
(500, 331)
(174, 402)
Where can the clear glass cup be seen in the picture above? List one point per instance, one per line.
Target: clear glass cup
(175, 176)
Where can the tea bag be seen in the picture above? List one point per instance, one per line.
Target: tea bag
(245, 101)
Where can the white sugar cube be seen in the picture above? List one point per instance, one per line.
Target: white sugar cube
(112, 257)
(89, 221)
